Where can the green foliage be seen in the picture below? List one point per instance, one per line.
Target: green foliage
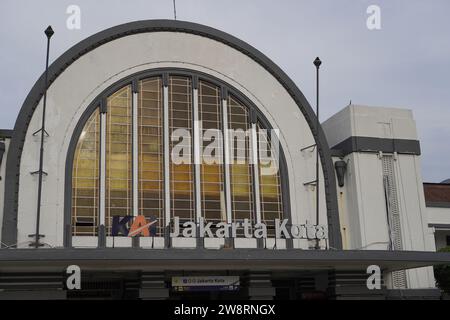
(442, 274)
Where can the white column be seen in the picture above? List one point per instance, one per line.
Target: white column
(135, 155)
(254, 149)
(197, 156)
(166, 155)
(228, 161)
(102, 204)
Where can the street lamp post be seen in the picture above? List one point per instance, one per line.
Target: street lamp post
(317, 62)
(49, 33)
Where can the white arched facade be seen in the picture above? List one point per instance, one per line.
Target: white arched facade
(91, 74)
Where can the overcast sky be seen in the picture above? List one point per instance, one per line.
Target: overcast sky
(405, 64)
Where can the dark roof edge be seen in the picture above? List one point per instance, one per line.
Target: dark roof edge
(437, 184)
(375, 145)
(439, 225)
(435, 204)
(6, 133)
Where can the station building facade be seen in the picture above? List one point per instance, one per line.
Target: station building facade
(239, 202)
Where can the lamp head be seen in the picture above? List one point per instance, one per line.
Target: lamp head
(49, 32)
(317, 62)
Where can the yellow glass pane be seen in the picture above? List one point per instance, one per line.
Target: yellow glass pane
(118, 155)
(211, 169)
(240, 168)
(85, 179)
(181, 175)
(151, 166)
(270, 182)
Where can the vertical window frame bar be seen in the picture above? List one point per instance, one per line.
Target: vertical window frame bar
(102, 204)
(135, 142)
(227, 162)
(197, 156)
(255, 160)
(166, 150)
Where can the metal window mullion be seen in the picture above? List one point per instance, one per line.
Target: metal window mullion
(135, 154)
(102, 199)
(227, 164)
(197, 157)
(97, 174)
(254, 150)
(166, 154)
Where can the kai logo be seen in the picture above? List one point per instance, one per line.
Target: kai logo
(134, 226)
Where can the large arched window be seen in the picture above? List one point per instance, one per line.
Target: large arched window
(175, 145)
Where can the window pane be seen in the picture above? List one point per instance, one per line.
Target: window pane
(211, 168)
(118, 156)
(269, 181)
(240, 168)
(85, 179)
(181, 174)
(151, 152)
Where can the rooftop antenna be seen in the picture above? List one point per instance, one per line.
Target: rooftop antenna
(175, 9)
(49, 33)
